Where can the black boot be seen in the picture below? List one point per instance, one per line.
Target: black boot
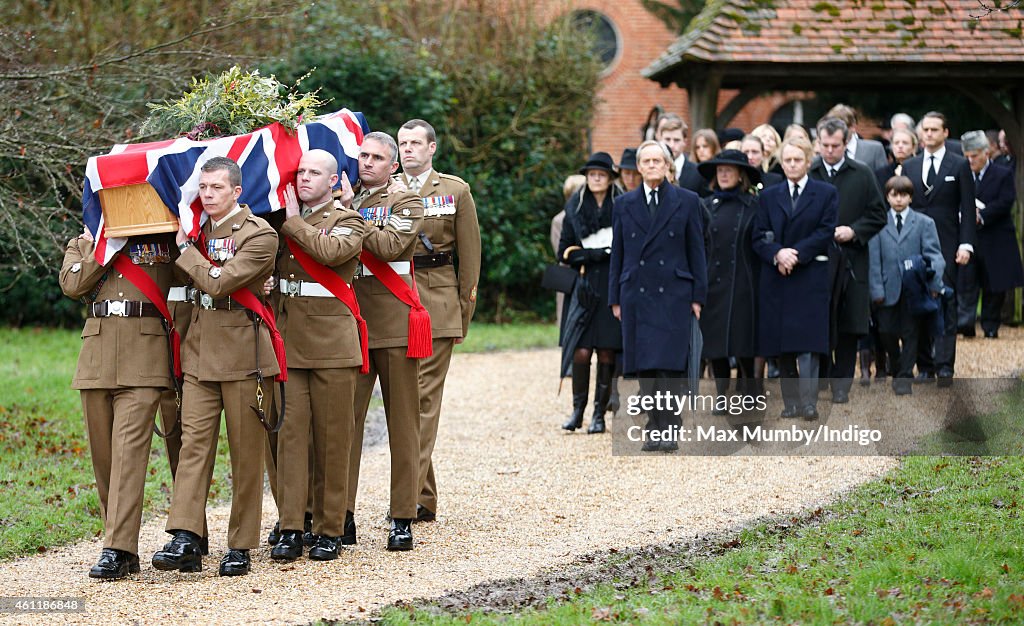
(613, 399)
(865, 368)
(721, 396)
(580, 388)
(602, 390)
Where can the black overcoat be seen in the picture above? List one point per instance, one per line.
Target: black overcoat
(997, 237)
(729, 320)
(862, 208)
(793, 313)
(658, 270)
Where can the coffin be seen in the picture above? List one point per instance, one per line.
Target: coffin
(135, 210)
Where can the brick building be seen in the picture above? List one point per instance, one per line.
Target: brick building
(630, 39)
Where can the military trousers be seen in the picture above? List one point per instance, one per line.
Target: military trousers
(399, 383)
(321, 417)
(433, 372)
(202, 404)
(270, 460)
(119, 425)
(171, 427)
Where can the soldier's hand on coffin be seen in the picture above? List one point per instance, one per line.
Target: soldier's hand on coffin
(86, 235)
(181, 237)
(291, 202)
(346, 192)
(397, 185)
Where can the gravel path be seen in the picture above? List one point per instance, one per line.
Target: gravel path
(519, 497)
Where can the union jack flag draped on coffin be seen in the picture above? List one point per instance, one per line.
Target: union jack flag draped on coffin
(268, 157)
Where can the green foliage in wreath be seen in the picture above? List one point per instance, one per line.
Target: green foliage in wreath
(233, 103)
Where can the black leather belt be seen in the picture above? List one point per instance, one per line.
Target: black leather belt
(438, 259)
(123, 308)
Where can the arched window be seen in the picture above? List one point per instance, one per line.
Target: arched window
(607, 43)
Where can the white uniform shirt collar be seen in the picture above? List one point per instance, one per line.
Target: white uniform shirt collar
(803, 185)
(423, 177)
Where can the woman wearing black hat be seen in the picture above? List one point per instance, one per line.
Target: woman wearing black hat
(729, 319)
(586, 245)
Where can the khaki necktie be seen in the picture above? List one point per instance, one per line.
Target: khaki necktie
(414, 184)
(357, 202)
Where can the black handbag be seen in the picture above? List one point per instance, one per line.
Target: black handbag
(559, 278)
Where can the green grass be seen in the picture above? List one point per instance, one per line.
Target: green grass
(47, 489)
(497, 337)
(939, 540)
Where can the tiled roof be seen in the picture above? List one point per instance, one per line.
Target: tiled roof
(836, 31)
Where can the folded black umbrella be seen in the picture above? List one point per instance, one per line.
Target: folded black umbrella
(693, 362)
(582, 303)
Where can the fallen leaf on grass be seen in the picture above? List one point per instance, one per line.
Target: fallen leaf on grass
(984, 593)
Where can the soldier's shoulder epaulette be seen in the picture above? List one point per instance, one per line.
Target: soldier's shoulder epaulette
(452, 177)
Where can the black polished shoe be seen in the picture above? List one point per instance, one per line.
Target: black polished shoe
(945, 379)
(650, 446)
(275, 535)
(423, 514)
(991, 334)
(204, 545)
(325, 548)
(809, 413)
(236, 562)
(789, 412)
(966, 331)
(924, 377)
(400, 537)
(349, 538)
(183, 553)
(669, 446)
(307, 531)
(840, 397)
(289, 547)
(114, 564)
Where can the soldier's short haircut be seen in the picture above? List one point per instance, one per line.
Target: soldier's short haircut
(227, 165)
(387, 140)
(832, 125)
(938, 116)
(900, 185)
(418, 123)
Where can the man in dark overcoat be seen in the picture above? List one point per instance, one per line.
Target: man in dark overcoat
(944, 191)
(657, 276)
(996, 268)
(861, 216)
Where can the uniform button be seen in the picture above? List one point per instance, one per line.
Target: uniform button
(642, 263)
(632, 235)
(671, 233)
(291, 275)
(661, 290)
(120, 275)
(717, 263)
(714, 229)
(291, 256)
(120, 294)
(641, 290)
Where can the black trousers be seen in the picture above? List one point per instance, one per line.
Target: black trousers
(844, 362)
(799, 378)
(896, 325)
(667, 382)
(745, 383)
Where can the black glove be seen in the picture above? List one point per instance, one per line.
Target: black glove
(598, 255)
(578, 258)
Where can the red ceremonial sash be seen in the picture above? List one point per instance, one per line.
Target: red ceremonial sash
(341, 291)
(145, 283)
(420, 339)
(249, 300)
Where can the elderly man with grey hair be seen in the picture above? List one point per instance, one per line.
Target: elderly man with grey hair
(996, 268)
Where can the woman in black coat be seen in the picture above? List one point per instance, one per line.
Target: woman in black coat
(792, 236)
(729, 319)
(586, 245)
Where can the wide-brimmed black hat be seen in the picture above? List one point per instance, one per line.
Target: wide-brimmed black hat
(600, 161)
(729, 157)
(628, 160)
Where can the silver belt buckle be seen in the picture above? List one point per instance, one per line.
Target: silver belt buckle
(206, 301)
(293, 288)
(117, 307)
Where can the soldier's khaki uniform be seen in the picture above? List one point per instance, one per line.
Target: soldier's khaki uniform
(323, 362)
(219, 358)
(387, 320)
(122, 370)
(450, 225)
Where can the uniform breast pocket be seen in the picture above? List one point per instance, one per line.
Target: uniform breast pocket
(152, 342)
